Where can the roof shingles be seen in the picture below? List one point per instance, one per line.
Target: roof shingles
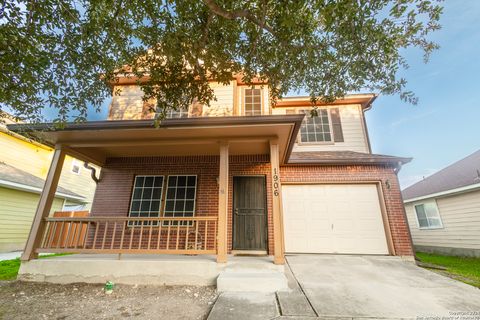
(12, 174)
(462, 173)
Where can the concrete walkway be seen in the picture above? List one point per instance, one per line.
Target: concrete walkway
(354, 287)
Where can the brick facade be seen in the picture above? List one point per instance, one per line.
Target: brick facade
(112, 197)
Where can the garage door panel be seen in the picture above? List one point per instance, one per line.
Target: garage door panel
(335, 219)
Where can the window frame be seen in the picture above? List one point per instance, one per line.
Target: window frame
(194, 210)
(429, 227)
(152, 223)
(244, 97)
(299, 137)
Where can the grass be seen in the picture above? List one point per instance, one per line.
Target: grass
(9, 268)
(465, 269)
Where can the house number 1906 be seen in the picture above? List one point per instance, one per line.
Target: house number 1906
(275, 182)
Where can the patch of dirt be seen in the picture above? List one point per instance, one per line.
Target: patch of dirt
(26, 300)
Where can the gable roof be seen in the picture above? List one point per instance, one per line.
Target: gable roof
(463, 173)
(11, 177)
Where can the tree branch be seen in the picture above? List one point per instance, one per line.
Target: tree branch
(231, 15)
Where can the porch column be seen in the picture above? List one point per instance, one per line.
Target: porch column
(44, 205)
(279, 257)
(222, 204)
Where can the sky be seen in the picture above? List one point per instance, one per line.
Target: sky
(445, 125)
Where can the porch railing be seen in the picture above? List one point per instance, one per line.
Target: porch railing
(195, 235)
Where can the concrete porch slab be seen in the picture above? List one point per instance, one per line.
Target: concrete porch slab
(152, 269)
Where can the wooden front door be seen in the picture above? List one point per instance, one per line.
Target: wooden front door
(249, 213)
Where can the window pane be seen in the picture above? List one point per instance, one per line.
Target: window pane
(180, 193)
(148, 182)
(420, 209)
(192, 181)
(147, 194)
(137, 193)
(182, 181)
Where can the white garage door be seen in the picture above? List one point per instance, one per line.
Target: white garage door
(333, 219)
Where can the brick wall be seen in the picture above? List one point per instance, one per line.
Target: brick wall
(113, 194)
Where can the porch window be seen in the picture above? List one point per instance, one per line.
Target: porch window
(146, 198)
(428, 216)
(180, 197)
(253, 102)
(317, 128)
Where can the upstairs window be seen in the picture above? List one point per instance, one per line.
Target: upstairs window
(180, 113)
(428, 216)
(253, 102)
(146, 198)
(317, 128)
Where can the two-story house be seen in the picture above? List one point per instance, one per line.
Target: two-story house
(233, 178)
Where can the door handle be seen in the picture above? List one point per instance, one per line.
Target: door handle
(236, 211)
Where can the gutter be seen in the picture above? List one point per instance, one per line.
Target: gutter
(27, 188)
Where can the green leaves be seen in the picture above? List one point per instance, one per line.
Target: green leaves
(65, 54)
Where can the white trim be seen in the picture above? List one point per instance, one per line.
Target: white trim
(24, 187)
(445, 193)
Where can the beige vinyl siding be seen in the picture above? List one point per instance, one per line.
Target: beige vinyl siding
(352, 127)
(127, 103)
(17, 210)
(460, 215)
(223, 106)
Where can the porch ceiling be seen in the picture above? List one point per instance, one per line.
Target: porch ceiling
(97, 140)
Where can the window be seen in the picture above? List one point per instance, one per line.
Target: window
(428, 216)
(146, 198)
(180, 113)
(253, 102)
(180, 197)
(317, 128)
(73, 207)
(76, 166)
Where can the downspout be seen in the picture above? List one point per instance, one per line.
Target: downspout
(93, 172)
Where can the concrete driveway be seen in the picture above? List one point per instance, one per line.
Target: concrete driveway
(380, 287)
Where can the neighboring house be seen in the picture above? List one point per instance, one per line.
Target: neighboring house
(19, 195)
(236, 177)
(443, 209)
(23, 167)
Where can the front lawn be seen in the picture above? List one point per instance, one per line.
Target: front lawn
(9, 268)
(461, 268)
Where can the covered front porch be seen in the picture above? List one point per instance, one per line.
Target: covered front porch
(228, 144)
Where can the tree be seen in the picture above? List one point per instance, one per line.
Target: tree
(63, 53)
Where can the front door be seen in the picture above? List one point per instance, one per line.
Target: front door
(249, 213)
